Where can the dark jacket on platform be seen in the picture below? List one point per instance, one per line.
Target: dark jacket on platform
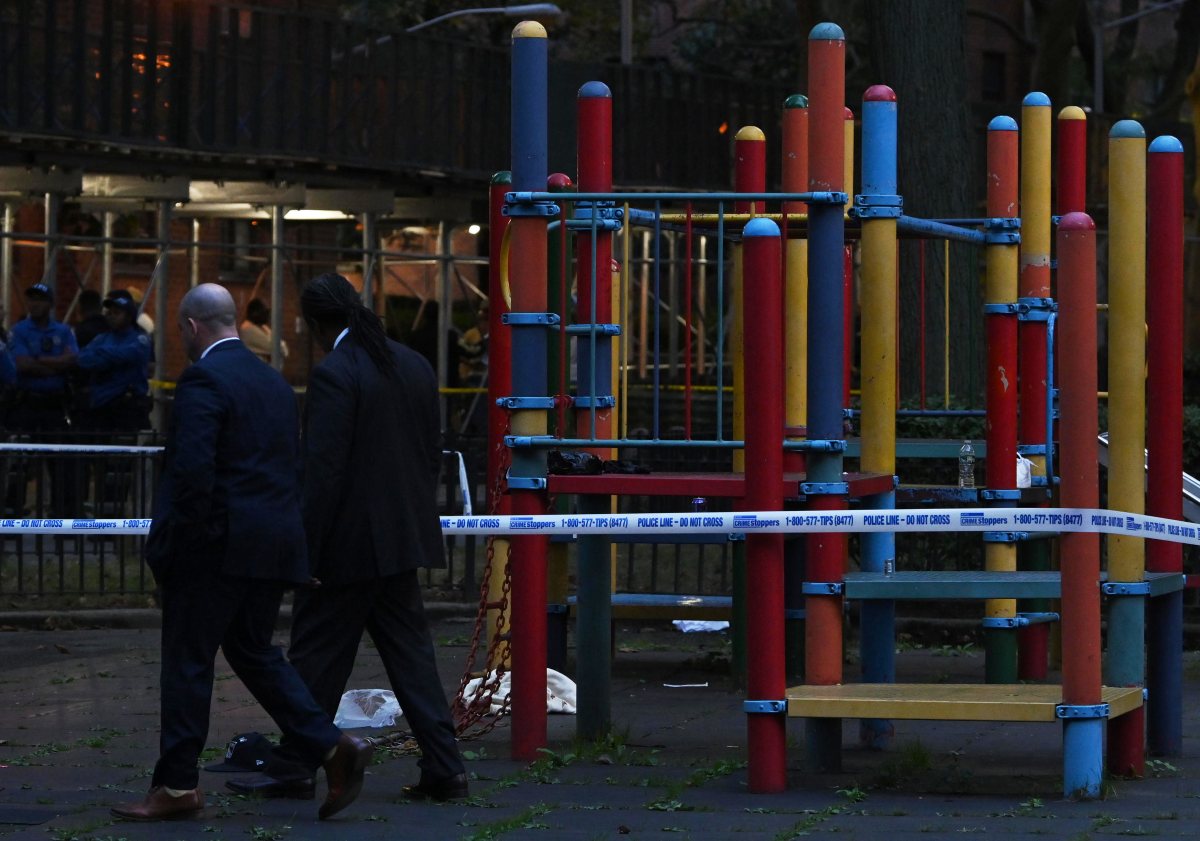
(229, 492)
(372, 452)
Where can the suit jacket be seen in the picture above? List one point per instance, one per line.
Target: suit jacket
(372, 453)
(229, 494)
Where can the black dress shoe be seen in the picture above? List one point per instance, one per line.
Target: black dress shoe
(260, 785)
(447, 788)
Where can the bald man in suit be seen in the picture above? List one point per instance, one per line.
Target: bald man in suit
(227, 539)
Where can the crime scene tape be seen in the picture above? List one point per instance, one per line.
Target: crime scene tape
(1095, 520)
(1015, 520)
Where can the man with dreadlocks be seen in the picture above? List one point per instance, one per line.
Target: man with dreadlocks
(372, 452)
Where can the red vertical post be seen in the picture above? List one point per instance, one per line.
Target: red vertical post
(1083, 737)
(1164, 314)
(766, 686)
(1000, 319)
(1071, 174)
(499, 340)
(1001, 328)
(1164, 393)
(1080, 481)
(594, 147)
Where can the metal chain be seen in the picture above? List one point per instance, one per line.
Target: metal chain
(472, 718)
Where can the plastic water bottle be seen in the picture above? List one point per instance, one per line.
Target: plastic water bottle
(966, 465)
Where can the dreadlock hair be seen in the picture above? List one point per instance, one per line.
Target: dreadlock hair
(330, 299)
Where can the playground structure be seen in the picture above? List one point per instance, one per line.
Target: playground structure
(788, 347)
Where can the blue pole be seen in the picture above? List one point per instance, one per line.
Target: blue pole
(1083, 757)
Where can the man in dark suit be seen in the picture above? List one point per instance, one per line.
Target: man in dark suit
(372, 452)
(226, 540)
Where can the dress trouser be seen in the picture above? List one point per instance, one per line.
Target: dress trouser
(204, 610)
(327, 627)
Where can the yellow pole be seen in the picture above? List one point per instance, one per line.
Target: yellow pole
(1126, 341)
(748, 177)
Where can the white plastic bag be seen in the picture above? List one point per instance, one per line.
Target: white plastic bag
(560, 691)
(367, 708)
(1024, 471)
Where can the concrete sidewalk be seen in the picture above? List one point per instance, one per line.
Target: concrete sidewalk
(79, 731)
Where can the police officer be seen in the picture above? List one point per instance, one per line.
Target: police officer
(116, 361)
(43, 351)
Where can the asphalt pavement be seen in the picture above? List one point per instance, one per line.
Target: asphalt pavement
(79, 729)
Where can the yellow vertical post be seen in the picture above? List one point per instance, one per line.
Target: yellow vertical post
(750, 172)
(1034, 288)
(1125, 658)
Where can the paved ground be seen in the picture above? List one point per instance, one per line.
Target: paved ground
(78, 731)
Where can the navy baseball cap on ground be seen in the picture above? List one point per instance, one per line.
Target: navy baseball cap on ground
(39, 290)
(245, 752)
(121, 299)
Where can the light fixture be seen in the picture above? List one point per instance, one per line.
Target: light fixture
(473, 230)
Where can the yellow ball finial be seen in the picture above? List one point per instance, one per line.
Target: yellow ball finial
(528, 29)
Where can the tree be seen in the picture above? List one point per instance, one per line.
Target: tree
(918, 48)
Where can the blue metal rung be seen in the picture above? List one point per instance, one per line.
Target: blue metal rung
(533, 209)
(1002, 309)
(530, 319)
(527, 483)
(770, 707)
(1125, 588)
(1005, 536)
(525, 402)
(586, 329)
(795, 613)
(1081, 711)
(829, 488)
(1031, 449)
(602, 401)
(818, 445)
(556, 609)
(822, 588)
(1007, 494)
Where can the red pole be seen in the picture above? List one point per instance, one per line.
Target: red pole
(767, 737)
(1001, 328)
(1164, 314)
(1000, 643)
(1164, 418)
(1071, 177)
(499, 340)
(1080, 481)
(595, 176)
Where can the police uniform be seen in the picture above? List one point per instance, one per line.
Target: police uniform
(117, 364)
(41, 401)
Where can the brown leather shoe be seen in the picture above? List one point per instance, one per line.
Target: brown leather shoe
(447, 788)
(344, 774)
(160, 806)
